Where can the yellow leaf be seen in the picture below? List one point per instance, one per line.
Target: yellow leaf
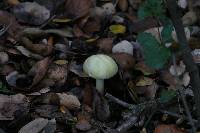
(65, 20)
(91, 40)
(117, 29)
(61, 62)
(63, 109)
(144, 81)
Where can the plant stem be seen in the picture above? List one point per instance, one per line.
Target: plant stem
(100, 86)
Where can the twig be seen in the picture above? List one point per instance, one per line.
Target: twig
(175, 115)
(118, 101)
(127, 124)
(186, 52)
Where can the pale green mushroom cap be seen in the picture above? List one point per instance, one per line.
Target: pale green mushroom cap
(100, 66)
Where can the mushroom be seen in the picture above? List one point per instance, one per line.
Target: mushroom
(100, 67)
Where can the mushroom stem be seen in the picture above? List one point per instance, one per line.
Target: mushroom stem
(100, 86)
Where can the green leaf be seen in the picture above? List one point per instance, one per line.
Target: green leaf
(166, 33)
(151, 8)
(167, 95)
(155, 54)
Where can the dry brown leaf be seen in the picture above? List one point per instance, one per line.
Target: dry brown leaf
(69, 101)
(14, 28)
(105, 44)
(125, 61)
(42, 49)
(39, 70)
(75, 9)
(92, 25)
(123, 5)
(168, 129)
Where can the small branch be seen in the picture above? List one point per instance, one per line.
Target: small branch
(186, 52)
(127, 124)
(118, 101)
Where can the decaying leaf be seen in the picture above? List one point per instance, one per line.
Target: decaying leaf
(31, 12)
(39, 70)
(69, 101)
(34, 126)
(28, 53)
(9, 20)
(105, 44)
(123, 5)
(57, 72)
(42, 49)
(123, 47)
(75, 9)
(125, 61)
(83, 122)
(168, 129)
(10, 104)
(144, 81)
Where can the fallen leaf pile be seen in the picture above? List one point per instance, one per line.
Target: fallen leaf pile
(44, 43)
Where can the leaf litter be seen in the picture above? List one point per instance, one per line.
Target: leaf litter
(44, 43)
